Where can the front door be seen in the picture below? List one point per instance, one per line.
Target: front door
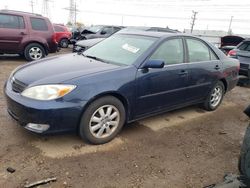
(159, 89)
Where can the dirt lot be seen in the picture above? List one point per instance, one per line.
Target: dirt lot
(184, 148)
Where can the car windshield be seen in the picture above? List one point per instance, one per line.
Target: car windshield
(120, 49)
(94, 29)
(245, 46)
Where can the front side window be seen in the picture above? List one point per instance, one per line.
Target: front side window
(38, 24)
(11, 21)
(171, 52)
(197, 51)
(121, 49)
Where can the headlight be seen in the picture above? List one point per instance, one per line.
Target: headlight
(47, 92)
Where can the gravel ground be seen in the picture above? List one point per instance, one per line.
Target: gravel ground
(184, 148)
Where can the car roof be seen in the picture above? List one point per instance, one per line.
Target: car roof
(156, 34)
(20, 13)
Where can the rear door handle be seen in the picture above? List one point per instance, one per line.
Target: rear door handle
(217, 67)
(183, 73)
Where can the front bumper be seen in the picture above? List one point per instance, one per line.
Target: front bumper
(60, 115)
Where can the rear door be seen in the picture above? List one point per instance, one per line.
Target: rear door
(12, 33)
(204, 68)
(159, 89)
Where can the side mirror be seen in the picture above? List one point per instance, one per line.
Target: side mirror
(103, 32)
(154, 64)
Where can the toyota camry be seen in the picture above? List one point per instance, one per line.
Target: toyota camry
(126, 77)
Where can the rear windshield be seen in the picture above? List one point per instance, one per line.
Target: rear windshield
(58, 28)
(121, 49)
(245, 46)
(38, 24)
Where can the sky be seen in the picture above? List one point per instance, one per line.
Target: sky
(176, 14)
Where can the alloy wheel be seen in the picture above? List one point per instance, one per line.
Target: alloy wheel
(104, 121)
(216, 96)
(35, 53)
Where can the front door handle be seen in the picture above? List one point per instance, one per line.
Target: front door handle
(217, 67)
(22, 33)
(183, 73)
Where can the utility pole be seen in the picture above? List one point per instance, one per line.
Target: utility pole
(32, 5)
(193, 20)
(72, 11)
(45, 8)
(230, 25)
(75, 12)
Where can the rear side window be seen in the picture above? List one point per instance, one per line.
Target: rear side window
(38, 24)
(11, 21)
(58, 28)
(197, 51)
(171, 52)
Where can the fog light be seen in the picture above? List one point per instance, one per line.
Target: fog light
(38, 128)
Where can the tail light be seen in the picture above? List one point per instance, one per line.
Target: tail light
(54, 38)
(231, 53)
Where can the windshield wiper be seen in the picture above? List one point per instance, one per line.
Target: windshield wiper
(95, 58)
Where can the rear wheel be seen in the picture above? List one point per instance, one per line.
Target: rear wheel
(64, 43)
(215, 97)
(102, 120)
(34, 51)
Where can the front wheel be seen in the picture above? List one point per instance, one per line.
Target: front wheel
(215, 97)
(102, 120)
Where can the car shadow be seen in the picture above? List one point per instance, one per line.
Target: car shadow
(13, 58)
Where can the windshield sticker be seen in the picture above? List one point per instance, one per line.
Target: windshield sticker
(130, 48)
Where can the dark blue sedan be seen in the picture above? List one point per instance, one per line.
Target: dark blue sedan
(126, 77)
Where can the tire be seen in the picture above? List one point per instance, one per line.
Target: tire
(102, 120)
(33, 52)
(214, 97)
(64, 43)
(244, 164)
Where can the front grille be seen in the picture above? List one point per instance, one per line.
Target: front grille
(17, 86)
(244, 66)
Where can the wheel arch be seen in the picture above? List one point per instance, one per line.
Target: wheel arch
(224, 81)
(115, 94)
(40, 43)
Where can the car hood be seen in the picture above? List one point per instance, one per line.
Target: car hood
(59, 69)
(89, 42)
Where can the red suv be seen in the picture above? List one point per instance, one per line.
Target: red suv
(62, 35)
(27, 34)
